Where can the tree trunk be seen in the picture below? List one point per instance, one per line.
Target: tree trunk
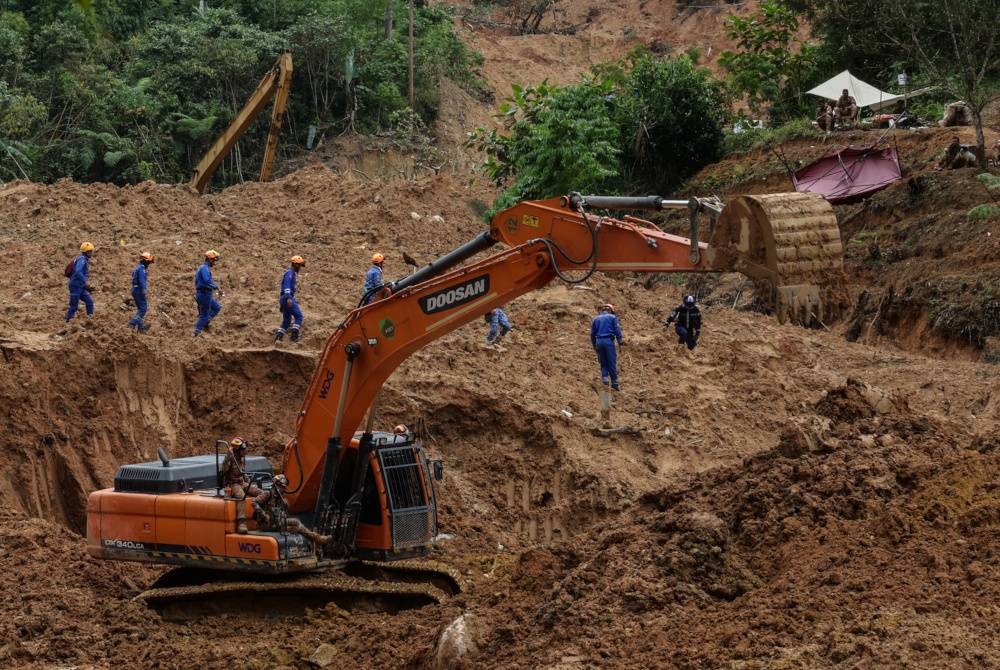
(410, 58)
(977, 121)
(388, 18)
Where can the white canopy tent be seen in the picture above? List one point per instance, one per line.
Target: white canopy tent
(864, 94)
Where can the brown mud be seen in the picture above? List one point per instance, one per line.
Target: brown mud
(786, 498)
(791, 498)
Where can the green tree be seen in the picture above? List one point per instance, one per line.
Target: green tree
(954, 44)
(670, 115)
(646, 123)
(771, 68)
(553, 141)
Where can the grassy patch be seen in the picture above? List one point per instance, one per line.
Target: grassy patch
(754, 139)
(984, 212)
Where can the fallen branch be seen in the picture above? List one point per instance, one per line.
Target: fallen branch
(621, 430)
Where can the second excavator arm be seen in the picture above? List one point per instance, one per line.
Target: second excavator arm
(275, 85)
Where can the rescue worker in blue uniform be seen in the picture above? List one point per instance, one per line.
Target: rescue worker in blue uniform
(140, 293)
(287, 303)
(373, 278)
(604, 330)
(688, 318)
(204, 292)
(79, 286)
(499, 326)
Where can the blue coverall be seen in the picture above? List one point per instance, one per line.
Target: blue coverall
(499, 326)
(688, 326)
(204, 295)
(373, 279)
(139, 295)
(78, 287)
(604, 330)
(287, 303)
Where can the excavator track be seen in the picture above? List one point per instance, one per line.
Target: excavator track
(789, 244)
(186, 594)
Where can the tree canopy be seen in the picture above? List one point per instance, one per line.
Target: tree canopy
(647, 123)
(125, 90)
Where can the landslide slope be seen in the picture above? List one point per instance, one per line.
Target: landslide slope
(750, 521)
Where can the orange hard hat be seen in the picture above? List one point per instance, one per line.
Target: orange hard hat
(298, 260)
(237, 443)
(378, 258)
(399, 430)
(86, 246)
(608, 307)
(146, 256)
(212, 254)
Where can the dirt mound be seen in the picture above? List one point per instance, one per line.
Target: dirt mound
(843, 556)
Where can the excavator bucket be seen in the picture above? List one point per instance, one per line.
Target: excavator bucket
(789, 245)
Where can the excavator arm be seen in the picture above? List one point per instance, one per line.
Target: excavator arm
(785, 240)
(275, 85)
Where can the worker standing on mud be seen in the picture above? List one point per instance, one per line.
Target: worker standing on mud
(604, 330)
(140, 294)
(271, 512)
(79, 278)
(688, 318)
(287, 303)
(373, 278)
(234, 478)
(499, 326)
(204, 292)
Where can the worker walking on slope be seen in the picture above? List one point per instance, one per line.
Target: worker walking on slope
(271, 512)
(204, 292)
(79, 278)
(287, 303)
(688, 318)
(235, 480)
(499, 326)
(373, 278)
(140, 293)
(604, 330)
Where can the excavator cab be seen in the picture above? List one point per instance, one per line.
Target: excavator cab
(398, 515)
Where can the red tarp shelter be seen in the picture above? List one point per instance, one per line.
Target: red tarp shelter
(847, 174)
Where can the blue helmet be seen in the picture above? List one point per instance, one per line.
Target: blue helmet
(689, 301)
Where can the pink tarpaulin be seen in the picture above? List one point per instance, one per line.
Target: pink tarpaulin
(847, 174)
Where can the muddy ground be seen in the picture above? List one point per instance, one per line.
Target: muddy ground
(791, 498)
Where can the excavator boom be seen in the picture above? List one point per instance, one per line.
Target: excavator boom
(275, 85)
(548, 238)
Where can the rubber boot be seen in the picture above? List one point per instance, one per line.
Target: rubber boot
(279, 335)
(241, 517)
(294, 335)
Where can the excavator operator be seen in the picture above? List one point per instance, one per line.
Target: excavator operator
(271, 511)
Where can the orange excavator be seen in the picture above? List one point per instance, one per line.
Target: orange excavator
(275, 85)
(373, 493)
